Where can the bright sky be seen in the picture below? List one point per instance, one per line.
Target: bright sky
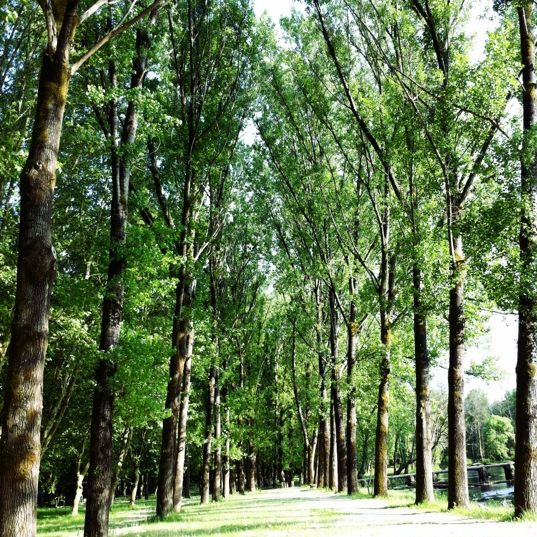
(274, 8)
(500, 341)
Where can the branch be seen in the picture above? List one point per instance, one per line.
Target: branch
(113, 33)
(495, 126)
(475, 168)
(153, 168)
(352, 105)
(439, 47)
(94, 8)
(52, 33)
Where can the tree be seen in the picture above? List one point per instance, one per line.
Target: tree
(499, 436)
(477, 411)
(36, 266)
(526, 402)
(101, 485)
(211, 73)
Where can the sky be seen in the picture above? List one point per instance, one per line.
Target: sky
(501, 337)
(274, 8)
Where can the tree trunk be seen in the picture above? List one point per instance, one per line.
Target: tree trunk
(352, 476)
(307, 459)
(457, 476)
(20, 444)
(332, 474)
(207, 444)
(146, 485)
(80, 474)
(323, 475)
(136, 483)
(311, 461)
(324, 450)
(232, 481)
(526, 369)
(380, 487)
(125, 442)
(424, 463)
(386, 296)
(100, 485)
(187, 475)
(183, 337)
(217, 487)
(341, 443)
(240, 476)
(226, 491)
(337, 404)
(180, 486)
(250, 469)
(183, 328)
(364, 462)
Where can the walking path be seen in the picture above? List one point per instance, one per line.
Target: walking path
(297, 512)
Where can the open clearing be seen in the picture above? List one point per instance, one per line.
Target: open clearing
(294, 511)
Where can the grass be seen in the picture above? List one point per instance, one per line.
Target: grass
(58, 522)
(236, 516)
(305, 512)
(491, 510)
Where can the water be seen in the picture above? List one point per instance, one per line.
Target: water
(498, 493)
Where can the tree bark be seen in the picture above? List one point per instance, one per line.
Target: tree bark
(240, 476)
(217, 488)
(20, 443)
(100, 491)
(526, 369)
(80, 475)
(100, 471)
(386, 291)
(251, 459)
(332, 473)
(424, 463)
(135, 485)
(180, 488)
(183, 337)
(352, 475)
(226, 486)
(339, 422)
(207, 443)
(125, 442)
(364, 462)
(323, 475)
(457, 476)
(380, 487)
(308, 460)
(187, 475)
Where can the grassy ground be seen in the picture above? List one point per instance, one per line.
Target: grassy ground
(492, 510)
(288, 512)
(58, 522)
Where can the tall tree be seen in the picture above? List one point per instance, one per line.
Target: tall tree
(211, 63)
(21, 415)
(526, 369)
(100, 484)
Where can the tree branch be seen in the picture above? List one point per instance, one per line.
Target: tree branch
(94, 8)
(52, 33)
(352, 105)
(157, 4)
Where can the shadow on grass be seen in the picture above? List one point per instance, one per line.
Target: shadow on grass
(45, 513)
(52, 520)
(226, 529)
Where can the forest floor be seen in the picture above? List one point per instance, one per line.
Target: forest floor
(296, 512)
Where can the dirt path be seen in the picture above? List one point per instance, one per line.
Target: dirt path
(299, 513)
(371, 518)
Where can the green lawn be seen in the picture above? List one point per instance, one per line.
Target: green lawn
(296, 512)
